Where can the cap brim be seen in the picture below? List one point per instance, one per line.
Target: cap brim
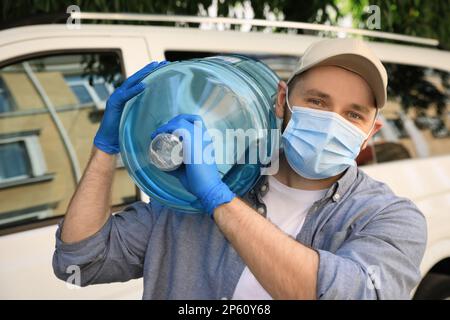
(359, 65)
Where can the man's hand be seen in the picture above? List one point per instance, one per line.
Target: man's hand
(107, 137)
(89, 207)
(199, 174)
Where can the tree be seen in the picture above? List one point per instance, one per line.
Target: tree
(422, 18)
(409, 84)
(311, 11)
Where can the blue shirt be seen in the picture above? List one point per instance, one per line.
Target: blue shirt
(370, 244)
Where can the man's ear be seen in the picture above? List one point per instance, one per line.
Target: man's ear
(281, 99)
(377, 126)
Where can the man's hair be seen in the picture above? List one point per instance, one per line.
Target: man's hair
(291, 85)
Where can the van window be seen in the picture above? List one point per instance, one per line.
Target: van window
(282, 65)
(416, 117)
(37, 176)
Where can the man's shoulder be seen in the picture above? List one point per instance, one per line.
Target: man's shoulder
(367, 183)
(376, 191)
(381, 197)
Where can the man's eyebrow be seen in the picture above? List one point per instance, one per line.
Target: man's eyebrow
(357, 107)
(317, 93)
(360, 108)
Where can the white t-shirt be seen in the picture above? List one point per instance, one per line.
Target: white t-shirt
(287, 208)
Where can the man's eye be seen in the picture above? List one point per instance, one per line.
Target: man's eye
(316, 102)
(355, 116)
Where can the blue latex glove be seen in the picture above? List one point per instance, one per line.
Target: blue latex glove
(107, 137)
(198, 174)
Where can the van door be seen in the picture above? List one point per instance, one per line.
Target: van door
(53, 90)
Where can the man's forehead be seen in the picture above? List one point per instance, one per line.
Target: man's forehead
(326, 71)
(321, 80)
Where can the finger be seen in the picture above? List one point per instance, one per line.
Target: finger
(133, 91)
(191, 118)
(139, 75)
(163, 63)
(166, 128)
(179, 125)
(176, 118)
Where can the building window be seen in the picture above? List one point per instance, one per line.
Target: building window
(88, 94)
(14, 161)
(21, 158)
(102, 90)
(82, 94)
(6, 102)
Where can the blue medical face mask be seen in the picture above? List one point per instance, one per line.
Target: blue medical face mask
(320, 144)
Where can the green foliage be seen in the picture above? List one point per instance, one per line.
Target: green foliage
(422, 18)
(294, 10)
(411, 87)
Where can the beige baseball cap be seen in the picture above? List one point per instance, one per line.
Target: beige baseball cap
(350, 54)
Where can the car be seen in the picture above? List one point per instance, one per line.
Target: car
(55, 80)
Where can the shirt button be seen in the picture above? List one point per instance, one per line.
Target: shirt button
(261, 210)
(336, 197)
(263, 188)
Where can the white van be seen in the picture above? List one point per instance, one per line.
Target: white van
(54, 82)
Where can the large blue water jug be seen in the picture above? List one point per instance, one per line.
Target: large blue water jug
(229, 92)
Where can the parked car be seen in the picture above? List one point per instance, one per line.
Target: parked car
(54, 82)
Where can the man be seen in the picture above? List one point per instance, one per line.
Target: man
(331, 232)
